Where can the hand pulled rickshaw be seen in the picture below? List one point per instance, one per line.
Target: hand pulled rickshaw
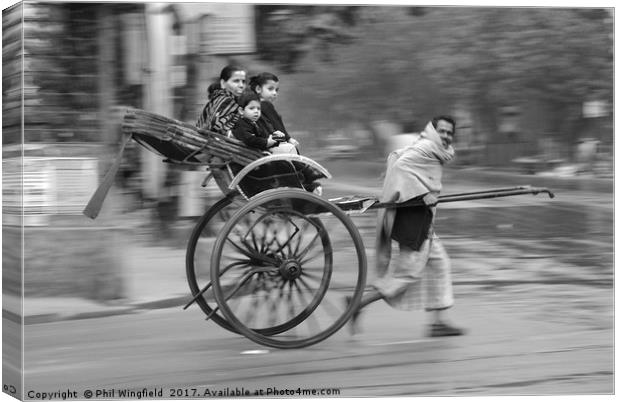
(270, 260)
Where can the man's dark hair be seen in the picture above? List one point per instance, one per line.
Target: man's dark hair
(449, 119)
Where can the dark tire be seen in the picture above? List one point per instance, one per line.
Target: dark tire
(285, 280)
(197, 269)
(205, 228)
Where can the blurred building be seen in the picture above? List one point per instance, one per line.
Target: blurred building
(72, 68)
(84, 62)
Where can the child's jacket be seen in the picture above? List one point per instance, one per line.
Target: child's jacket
(250, 133)
(270, 120)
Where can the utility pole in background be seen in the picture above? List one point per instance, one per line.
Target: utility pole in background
(106, 72)
(157, 89)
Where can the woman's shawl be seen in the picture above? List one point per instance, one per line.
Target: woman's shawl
(412, 171)
(220, 113)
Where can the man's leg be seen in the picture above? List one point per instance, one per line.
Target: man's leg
(368, 297)
(400, 286)
(439, 294)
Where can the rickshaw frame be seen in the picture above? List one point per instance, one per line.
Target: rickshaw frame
(255, 183)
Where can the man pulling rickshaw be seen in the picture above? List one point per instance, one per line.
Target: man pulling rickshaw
(273, 260)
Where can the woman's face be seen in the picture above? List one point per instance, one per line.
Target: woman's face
(268, 91)
(235, 84)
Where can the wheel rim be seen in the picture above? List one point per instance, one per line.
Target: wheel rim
(197, 284)
(284, 281)
(197, 264)
(290, 269)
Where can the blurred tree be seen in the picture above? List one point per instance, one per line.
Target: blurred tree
(404, 64)
(61, 52)
(378, 75)
(12, 76)
(511, 56)
(286, 33)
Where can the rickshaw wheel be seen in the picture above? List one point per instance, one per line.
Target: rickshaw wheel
(277, 269)
(198, 278)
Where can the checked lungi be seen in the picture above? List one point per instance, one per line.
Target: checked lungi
(418, 279)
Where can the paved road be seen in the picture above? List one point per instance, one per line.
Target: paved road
(508, 351)
(533, 283)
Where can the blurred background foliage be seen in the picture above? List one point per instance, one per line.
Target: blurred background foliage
(393, 62)
(345, 66)
(352, 78)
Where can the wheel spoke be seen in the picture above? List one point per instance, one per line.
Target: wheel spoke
(233, 264)
(290, 236)
(289, 248)
(251, 314)
(311, 275)
(301, 255)
(312, 322)
(251, 232)
(300, 291)
(291, 309)
(254, 244)
(260, 257)
(239, 249)
(311, 290)
(330, 308)
(274, 238)
(279, 246)
(266, 221)
(264, 245)
(289, 298)
(234, 304)
(267, 297)
(244, 279)
(250, 247)
(198, 295)
(306, 224)
(204, 289)
(275, 304)
(314, 256)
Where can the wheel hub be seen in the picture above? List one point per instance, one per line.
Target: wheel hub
(290, 269)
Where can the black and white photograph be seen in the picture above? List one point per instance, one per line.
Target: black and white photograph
(286, 200)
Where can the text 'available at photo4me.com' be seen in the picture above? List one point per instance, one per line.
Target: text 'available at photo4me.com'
(181, 393)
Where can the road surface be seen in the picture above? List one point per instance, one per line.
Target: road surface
(534, 289)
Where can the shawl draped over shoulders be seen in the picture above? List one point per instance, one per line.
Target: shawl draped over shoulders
(220, 113)
(411, 172)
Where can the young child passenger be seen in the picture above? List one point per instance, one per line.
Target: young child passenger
(246, 128)
(253, 134)
(267, 85)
